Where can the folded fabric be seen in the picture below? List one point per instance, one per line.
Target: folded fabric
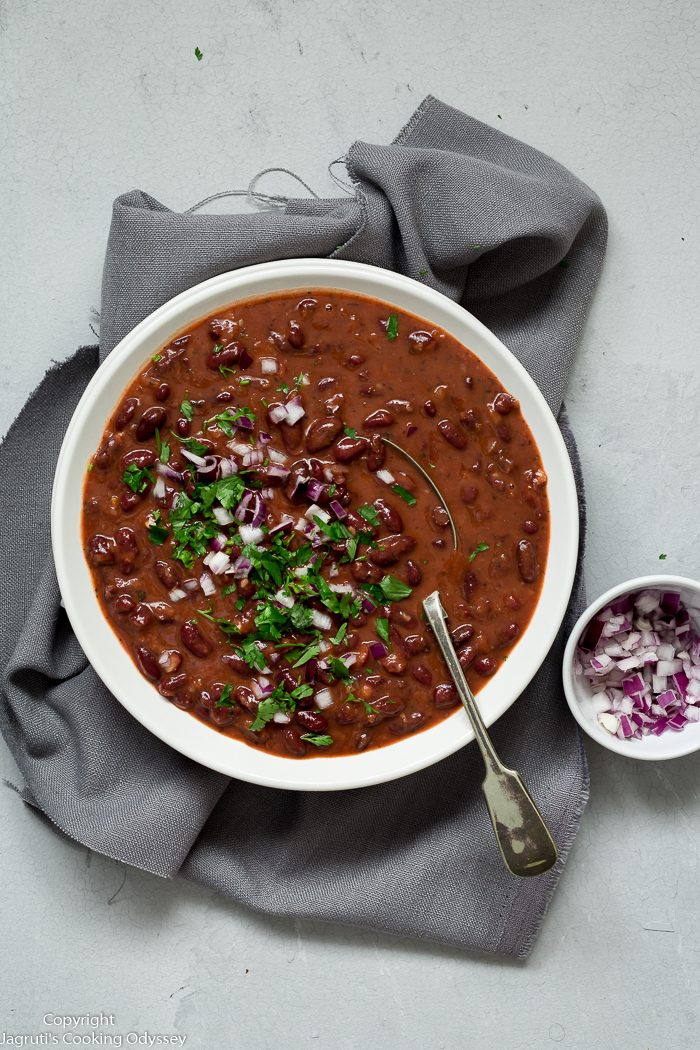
(519, 241)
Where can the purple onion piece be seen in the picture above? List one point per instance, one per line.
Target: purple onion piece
(297, 488)
(378, 650)
(274, 470)
(591, 636)
(368, 606)
(284, 526)
(620, 606)
(259, 512)
(169, 473)
(411, 429)
(245, 360)
(244, 423)
(264, 439)
(339, 511)
(670, 602)
(218, 543)
(313, 490)
(241, 567)
(311, 669)
(211, 464)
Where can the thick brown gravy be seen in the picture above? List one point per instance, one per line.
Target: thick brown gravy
(303, 634)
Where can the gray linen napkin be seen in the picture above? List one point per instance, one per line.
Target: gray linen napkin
(517, 239)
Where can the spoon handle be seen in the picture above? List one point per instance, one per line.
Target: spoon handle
(523, 838)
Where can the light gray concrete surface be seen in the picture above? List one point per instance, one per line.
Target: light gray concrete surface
(100, 97)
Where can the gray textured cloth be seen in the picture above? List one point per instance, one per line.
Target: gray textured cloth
(493, 222)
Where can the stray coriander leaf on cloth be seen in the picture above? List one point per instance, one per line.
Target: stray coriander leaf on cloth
(198, 54)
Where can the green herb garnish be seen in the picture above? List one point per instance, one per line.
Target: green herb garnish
(383, 629)
(157, 534)
(187, 408)
(319, 739)
(163, 448)
(392, 328)
(350, 432)
(394, 590)
(477, 550)
(370, 514)
(224, 700)
(405, 495)
(137, 478)
(199, 55)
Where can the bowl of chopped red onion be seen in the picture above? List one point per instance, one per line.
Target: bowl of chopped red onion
(632, 668)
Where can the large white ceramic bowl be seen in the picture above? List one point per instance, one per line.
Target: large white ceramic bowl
(578, 691)
(102, 647)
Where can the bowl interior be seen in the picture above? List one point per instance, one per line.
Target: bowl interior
(578, 690)
(113, 664)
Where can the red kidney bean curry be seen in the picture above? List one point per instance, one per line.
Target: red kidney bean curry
(262, 554)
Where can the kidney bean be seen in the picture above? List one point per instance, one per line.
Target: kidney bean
(128, 549)
(129, 500)
(163, 612)
(504, 404)
(350, 448)
(468, 494)
(141, 616)
(466, 654)
(445, 695)
(167, 575)
(163, 392)
(147, 663)
(195, 640)
(508, 634)
(124, 603)
(376, 454)
(430, 408)
(421, 674)
(380, 418)
(390, 548)
(415, 643)
(485, 666)
(126, 413)
(107, 453)
(412, 573)
(291, 739)
(100, 550)
(384, 707)
(323, 433)
(366, 572)
(347, 714)
(311, 720)
(354, 361)
(394, 664)
(183, 700)
(238, 664)
(462, 634)
(389, 515)
(170, 660)
(183, 427)
(471, 420)
(503, 432)
(398, 615)
(140, 457)
(151, 418)
(469, 583)
(306, 307)
(421, 341)
(526, 559)
(171, 685)
(226, 358)
(225, 715)
(451, 434)
(247, 698)
(440, 517)
(512, 601)
(362, 741)
(407, 722)
(295, 335)
(262, 736)
(292, 436)
(530, 527)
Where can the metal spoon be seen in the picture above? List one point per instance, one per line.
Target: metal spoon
(523, 838)
(436, 490)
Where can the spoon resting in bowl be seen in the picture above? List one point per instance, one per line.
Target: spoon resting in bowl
(526, 846)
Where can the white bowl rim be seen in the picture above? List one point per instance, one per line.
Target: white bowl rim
(116, 668)
(629, 748)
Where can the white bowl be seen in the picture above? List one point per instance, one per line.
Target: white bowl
(578, 691)
(102, 647)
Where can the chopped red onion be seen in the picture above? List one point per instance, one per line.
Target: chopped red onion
(253, 458)
(168, 472)
(313, 490)
(241, 567)
(219, 562)
(264, 439)
(207, 584)
(269, 365)
(276, 471)
(368, 606)
(267, 493)
(190, 585)
(323, 698)
(644, 674)
(287, 600)
(338, 509)
(251, 534)
(378, 650)
(245, 423)
(281, 718)
(286, 525)
(318, 512)
(159, 489)
(411, 429)
(223, 516)
(198, 461)
(295, 410)
(177, 595)
(386, 477)
(220, 540)
(277, 457)
(245, 360)
(321, 620)
(228, 467)
(277, 413)
(210, 465)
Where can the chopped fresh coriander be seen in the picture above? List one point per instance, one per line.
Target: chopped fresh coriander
(163, 448)
(157, 535)
(383, 629)
(226, 371)
(331, 490)
(422, 273)
(370, 514)
(319, 739)
(266, 711)
(230, 589)
(405, 495)
(662, 557)
(244, 382)
(393, 590)
(156, 358)
(338, 668)
(90, 466)
(351, 698)
(477, 550)
(392, 328)
(299, 381)
(283, 388)
(199, 55)
(342, 631)
(218, 348)
(351, 432)
(137, 478)
(224, 700)
(195, 447)
(240, 604)
(187, 408)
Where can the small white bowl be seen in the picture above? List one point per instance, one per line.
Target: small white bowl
(577, 688)
(111, 660)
